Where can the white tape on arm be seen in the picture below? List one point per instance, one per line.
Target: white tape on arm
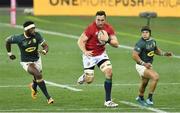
(44, 51)
(9, 53)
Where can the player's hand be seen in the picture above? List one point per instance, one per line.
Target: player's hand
(43, 52)
(12, 57)
(168, 54)
(148, 65)
(88, 53)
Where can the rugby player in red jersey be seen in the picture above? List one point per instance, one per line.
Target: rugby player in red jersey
(92, 43)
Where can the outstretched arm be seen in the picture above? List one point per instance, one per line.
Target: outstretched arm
(161, 53)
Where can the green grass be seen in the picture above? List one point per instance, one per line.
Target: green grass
(63, 65)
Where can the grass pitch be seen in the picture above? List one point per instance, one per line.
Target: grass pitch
(63, 65)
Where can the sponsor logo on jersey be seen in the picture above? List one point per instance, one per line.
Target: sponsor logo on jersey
(150, 54)
(30, 49)
(29, 42)
(151, 45)
(34, 40)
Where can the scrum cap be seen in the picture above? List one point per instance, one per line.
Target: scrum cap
(146, 28)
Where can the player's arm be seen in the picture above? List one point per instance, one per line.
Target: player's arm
(8, 48)
(45, 48)
(43, 44)
(135, 56)
(82, 42)
(113, 41)
(159, 52)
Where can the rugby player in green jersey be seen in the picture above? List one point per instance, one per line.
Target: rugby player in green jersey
(143, 53)
(28, 43)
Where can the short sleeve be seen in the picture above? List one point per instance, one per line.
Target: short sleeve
(40, 39)
(138, 47)
(12, 39)
(88, 32)
(111, 31)
(155, 45)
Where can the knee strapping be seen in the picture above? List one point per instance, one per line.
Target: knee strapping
(105, 65)
(89, 76)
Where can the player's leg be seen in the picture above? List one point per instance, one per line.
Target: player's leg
(144, 82)
(37, 74)
(106, 68)
(33, 85)
(38, 65)
(140, 98)
(151, 74)
(88, 75)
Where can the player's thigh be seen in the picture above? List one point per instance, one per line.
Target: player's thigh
(106, 67)
(25, 65)
(31, 68)
(104, 63)
(38, 65)
(151, 74)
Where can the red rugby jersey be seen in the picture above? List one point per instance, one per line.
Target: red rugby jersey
(92, 43)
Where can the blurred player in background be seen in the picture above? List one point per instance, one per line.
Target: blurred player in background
(143, 54)
(28, 43)
(92, 43)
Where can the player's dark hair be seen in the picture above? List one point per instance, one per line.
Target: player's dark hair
(146, 28)
(101, 13)
(27, 23)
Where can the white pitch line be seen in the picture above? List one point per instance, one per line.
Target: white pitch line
(126, 47)
(94, 85)
(45, 31)
(130, 84)
(62, 86)
(47, 82)
(12, 86)
(75, 110)
(143, 107)
(68, 36)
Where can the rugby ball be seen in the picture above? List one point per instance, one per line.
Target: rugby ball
(102, 37)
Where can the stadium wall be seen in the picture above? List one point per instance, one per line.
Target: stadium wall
(112, 7)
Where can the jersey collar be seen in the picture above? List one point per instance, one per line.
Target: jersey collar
(26, 36)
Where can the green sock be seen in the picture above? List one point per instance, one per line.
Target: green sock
(43, 88)
(107, 87)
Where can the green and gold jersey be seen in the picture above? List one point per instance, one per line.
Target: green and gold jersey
(146, 49)
(28, 46)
